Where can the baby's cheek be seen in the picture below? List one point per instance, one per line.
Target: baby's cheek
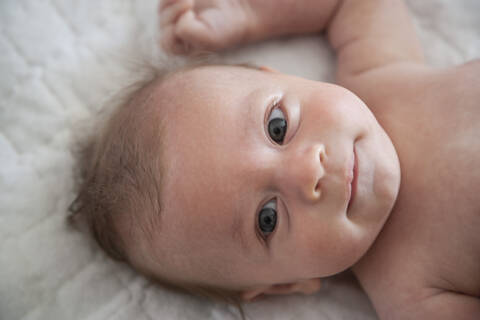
(332, 118)
(336, 249)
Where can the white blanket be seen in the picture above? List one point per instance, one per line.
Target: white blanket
(59, 60)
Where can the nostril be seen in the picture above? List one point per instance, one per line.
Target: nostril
(317, 187)
(321, 154)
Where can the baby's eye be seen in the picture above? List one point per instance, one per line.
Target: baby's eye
(267, 218)
(277, 125)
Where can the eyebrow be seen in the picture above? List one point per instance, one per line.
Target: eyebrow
(237, 229)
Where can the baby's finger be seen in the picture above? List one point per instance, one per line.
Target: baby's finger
(164, 3)
(171, 12)
(170, 43)
(194, 32)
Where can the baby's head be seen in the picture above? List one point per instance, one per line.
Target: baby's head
(241, 180)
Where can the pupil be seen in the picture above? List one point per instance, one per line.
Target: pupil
(277, 129)
(267, 219)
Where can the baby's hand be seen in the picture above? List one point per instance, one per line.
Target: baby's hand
(192, 25)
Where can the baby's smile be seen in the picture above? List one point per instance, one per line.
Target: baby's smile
(352, 179)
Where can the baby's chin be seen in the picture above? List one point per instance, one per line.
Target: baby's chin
(387, 177)
(378, 186)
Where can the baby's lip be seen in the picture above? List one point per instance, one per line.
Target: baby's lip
(352, 173)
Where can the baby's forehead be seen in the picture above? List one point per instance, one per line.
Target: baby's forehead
(191, 80)
(207, 127)
(200, 106)
(205, 88)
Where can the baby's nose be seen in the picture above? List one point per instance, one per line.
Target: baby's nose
(321, 170)
(318, 169)
(306, 170)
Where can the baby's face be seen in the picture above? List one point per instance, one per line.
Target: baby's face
(270, 178)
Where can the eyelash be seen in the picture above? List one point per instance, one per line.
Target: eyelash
(266, 238)
(276, 104)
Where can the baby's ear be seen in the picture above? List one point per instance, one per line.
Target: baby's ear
(268, 69)
(305, 286)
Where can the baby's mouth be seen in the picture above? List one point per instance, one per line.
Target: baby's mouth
(353, 180)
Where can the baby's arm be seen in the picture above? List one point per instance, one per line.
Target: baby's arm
(366, 34)
(192, 25)
(370, 34)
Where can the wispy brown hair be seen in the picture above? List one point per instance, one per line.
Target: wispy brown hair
(119, 173)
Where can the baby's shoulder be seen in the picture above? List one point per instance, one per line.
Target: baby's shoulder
(408, 85)
(435, 304)
(427, 109)
(405, 284)
(458, 86)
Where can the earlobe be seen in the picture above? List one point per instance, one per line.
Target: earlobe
(268, 69)
(253, 294)
(308, 286)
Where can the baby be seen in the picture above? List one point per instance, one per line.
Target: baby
(238, 182)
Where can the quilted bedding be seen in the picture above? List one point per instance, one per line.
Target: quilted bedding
(59, 60)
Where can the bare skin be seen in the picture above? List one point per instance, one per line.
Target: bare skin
(424, 263)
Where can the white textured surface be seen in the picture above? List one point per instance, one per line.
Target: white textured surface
(59, 60)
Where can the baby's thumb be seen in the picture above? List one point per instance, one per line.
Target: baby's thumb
(196, 33)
